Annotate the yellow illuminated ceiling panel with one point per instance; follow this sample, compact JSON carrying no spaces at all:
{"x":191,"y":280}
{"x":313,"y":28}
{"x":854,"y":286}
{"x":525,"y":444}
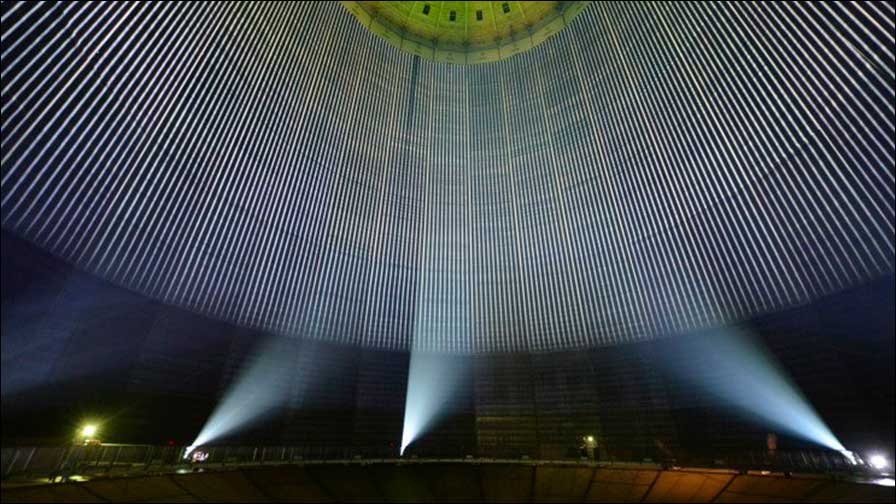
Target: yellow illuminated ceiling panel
{"x":464,"y":32}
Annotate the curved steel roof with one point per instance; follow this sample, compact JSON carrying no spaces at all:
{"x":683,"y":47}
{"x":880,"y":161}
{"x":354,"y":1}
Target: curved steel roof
{"x":653,"y":168}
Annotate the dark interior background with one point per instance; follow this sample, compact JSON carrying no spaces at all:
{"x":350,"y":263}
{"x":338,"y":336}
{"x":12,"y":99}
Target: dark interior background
{"x":75,"y":347}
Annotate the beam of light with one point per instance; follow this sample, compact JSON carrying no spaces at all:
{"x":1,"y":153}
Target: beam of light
{"x":433,"y":382}
{"x":730,"y":367}
{"x":254,"y":395}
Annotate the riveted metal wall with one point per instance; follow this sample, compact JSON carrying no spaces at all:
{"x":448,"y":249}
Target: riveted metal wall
{"x":652,"y":168}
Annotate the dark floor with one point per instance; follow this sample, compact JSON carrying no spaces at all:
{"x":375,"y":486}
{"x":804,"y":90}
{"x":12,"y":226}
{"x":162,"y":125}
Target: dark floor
{"x":458,"y":482}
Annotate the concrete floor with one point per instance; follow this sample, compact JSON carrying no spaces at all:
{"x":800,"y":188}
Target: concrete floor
{"x":455,"y":482}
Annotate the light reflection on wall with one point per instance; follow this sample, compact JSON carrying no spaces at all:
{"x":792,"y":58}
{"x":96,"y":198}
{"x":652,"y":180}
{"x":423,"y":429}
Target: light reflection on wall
{"x":277,"y":165}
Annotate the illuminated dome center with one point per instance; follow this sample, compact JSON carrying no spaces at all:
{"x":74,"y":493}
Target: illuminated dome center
{"x":465,"y":32}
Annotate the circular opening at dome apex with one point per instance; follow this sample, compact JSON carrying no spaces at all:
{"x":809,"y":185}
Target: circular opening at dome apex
{"x":465,"y":32}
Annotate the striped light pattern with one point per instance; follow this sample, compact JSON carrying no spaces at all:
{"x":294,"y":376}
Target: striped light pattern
{"x":653,"y":168}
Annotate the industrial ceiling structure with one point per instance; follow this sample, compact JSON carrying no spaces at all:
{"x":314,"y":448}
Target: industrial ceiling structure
{"x":650,"y":168}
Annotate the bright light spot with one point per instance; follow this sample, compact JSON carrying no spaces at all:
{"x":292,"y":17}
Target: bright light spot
{"x":878,"y":462}
{"x":887,"y":482}
{"x":88,"y":431}
{"x":590,"y":439}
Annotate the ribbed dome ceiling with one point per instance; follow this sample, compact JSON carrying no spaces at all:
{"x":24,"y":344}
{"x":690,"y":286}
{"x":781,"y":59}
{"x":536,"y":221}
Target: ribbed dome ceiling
{"x":652,"y":168}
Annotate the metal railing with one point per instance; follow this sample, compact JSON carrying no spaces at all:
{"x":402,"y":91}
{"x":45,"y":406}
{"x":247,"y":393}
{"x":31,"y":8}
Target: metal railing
{"x":61,"y":461}
{"x":125,"y":459}
{"x":58,"y":463}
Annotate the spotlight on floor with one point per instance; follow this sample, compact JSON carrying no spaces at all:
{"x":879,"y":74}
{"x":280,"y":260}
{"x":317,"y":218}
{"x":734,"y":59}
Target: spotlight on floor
{"x":732,"y":367}
{"x":433,"y":382}
{"x":88,"y":431}
{"x":87,"y":434}
{"x":878,"y":462}
{"x":254,"y":394}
